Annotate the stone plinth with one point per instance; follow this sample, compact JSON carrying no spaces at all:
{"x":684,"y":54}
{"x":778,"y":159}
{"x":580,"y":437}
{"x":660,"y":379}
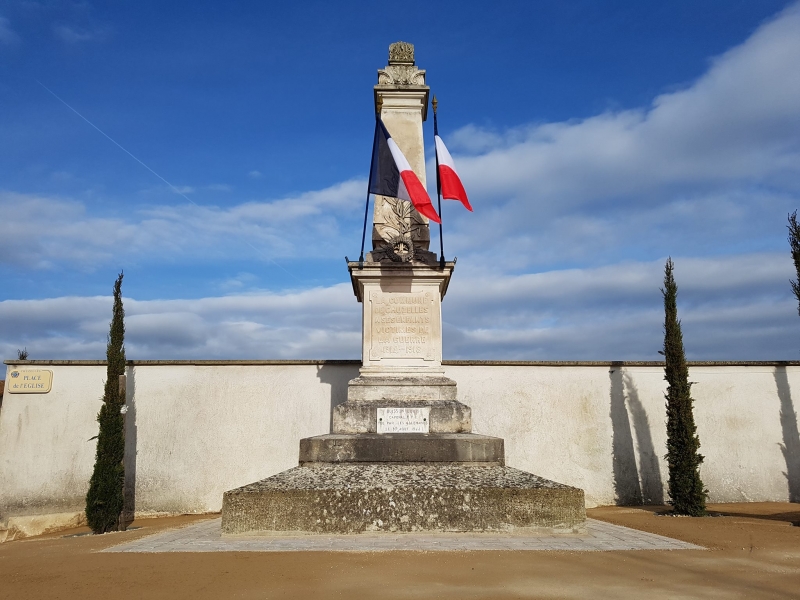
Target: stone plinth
{"x":402,"y":316}
{"x":360,"y":416}
{"x":357,"y":498}
{"x":403,"y":448}
{"x":401,"y":348}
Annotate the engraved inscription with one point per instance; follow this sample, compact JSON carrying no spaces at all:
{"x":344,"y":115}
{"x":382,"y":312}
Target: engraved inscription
{"x":404,"y":420}
{"x":401,"y":325}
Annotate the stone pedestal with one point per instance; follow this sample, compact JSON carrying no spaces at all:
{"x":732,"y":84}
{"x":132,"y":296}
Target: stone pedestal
{"x":401,"y":348}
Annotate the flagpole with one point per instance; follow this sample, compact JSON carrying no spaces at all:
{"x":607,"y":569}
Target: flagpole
{"x":378,"y":107}
{"x":435,"y":104}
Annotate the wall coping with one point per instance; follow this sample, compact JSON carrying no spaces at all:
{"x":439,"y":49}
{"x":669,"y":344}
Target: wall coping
{"x":453,"y":363}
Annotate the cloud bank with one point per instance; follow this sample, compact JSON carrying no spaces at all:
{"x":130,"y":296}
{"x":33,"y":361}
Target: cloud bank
{"x":734,"y":308}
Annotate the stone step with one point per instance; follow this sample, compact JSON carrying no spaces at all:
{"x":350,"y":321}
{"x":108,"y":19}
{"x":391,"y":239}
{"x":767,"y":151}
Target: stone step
{"x":358,"y":498}
{"x":403,"y":447}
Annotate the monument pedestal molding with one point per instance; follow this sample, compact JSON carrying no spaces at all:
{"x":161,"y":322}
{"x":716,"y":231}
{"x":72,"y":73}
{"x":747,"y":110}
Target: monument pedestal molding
{"x":401,"y":456}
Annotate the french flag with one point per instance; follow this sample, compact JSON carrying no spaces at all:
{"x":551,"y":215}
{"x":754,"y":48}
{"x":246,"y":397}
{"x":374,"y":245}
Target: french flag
{"x":449,"y":181}
{"x":391,"y":175}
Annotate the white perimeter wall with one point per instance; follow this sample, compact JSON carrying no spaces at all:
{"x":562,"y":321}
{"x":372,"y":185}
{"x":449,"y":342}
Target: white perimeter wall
{"x":196,"y":430}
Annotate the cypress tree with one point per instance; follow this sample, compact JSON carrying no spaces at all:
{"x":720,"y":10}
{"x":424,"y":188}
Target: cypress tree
{"x":104,"y":501}
{"x":686,"y":492}
{"x":794,"y":244}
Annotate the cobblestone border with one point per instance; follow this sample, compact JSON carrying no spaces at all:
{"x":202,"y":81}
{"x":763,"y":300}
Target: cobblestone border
{"x":206,"y":537}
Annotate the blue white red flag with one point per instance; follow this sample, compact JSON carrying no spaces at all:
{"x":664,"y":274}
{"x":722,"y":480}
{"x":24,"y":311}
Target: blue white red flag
{"x":392,"y":176}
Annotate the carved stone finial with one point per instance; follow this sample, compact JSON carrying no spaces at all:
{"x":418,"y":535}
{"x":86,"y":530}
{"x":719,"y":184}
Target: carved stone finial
{"x":401,"y":53}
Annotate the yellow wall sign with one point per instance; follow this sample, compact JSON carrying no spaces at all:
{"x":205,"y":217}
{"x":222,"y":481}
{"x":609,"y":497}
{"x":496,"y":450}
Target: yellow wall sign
{"x":29,"y":381}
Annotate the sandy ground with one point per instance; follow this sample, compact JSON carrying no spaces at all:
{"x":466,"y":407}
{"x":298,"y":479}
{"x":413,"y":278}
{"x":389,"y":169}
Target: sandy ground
{"x":754,"y":552}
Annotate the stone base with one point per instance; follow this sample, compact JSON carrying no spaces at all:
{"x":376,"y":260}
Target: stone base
{"x":401,"y":388}
{"x":403,"y":448}
{"x":359,"y":498}
{"x":356,"y":416}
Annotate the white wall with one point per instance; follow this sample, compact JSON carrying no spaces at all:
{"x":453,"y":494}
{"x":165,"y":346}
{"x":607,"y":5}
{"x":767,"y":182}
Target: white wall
{"x":603,"y":428}
{"x":46,"y":454}
{"x":196,"y":430}
{"x":202,"y":430}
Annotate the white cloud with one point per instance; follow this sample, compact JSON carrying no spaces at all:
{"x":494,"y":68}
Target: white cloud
{"x":734,"y":307}
{"x":297,"y":227}
{"x":254,"y":174}
{"x":738,"y":124}
{"x":68,"y":234}
{"x":709,"y":169}
{"x":320,"y":322}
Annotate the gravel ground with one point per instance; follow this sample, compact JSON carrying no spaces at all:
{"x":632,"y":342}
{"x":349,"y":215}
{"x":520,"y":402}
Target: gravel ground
{"x":753,"y":551}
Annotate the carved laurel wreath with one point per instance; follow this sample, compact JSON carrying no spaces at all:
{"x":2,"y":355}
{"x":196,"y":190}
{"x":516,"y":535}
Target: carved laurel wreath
{"x":401,"y":249}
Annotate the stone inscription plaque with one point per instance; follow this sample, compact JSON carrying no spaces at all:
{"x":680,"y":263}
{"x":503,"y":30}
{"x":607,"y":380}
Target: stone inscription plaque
{"x":404,"y":420}
{"x":401,"y":325}
{"x":29,"y":381}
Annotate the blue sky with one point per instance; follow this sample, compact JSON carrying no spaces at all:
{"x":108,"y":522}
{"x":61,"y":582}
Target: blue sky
{"x":595,"y":139}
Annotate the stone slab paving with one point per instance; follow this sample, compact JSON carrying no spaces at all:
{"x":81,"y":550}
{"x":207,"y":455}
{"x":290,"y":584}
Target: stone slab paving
{"x":206,"y":537}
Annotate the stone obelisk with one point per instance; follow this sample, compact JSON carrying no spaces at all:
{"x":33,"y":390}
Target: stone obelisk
{"x":401,"y":455}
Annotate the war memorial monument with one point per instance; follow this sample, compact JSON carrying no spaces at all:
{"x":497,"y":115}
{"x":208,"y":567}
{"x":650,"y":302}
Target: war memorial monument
{"x":401,"y":455}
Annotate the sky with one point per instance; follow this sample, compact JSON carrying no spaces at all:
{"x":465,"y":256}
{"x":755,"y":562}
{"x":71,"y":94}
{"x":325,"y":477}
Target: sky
{"x":218,"y":153}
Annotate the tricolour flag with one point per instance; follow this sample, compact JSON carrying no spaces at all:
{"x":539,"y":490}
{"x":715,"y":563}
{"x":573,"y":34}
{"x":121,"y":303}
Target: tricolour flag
{"x":392,"y":176}
{"x":450,"y":182}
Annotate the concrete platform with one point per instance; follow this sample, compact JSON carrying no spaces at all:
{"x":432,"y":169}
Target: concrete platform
{"x":404,"y":447}
{"x":359,"y":498}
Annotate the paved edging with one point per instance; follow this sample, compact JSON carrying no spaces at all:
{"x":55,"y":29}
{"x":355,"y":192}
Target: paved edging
{"x":206,"y":537}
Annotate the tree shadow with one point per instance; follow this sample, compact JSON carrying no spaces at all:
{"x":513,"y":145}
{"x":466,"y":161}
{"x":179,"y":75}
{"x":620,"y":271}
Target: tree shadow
{"x":626,"y":477}
{"x":791,"y":438}
{"x":649,"y":469}
{"x":337,"y":374}
{"x":129,"y":488}
{"x":792,"y":517}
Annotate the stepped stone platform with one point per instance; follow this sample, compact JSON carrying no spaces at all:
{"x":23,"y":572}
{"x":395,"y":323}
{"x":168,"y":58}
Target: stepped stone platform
{"x":361,"y":498}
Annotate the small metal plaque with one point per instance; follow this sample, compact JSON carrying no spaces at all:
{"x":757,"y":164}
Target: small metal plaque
{"x":29,"y":381}
{"x":404,"y":420}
